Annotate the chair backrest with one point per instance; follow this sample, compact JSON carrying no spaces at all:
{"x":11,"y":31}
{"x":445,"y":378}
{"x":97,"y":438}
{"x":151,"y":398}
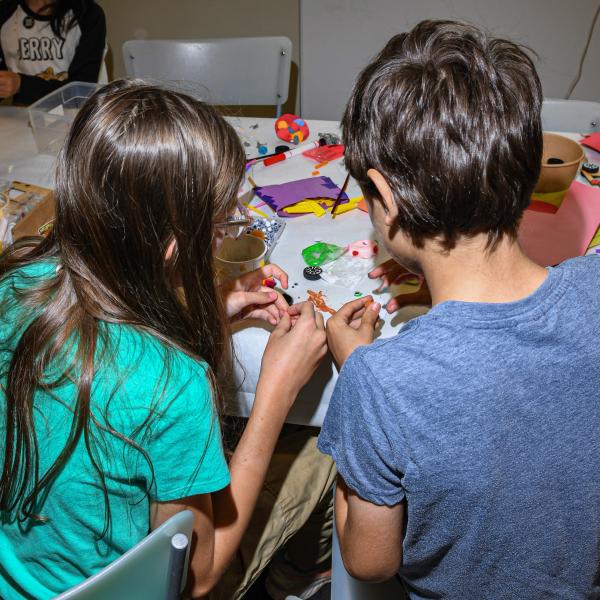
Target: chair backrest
{"x":249,"y":70}
{"x":154,"y":569}
{"x":576,"y":116}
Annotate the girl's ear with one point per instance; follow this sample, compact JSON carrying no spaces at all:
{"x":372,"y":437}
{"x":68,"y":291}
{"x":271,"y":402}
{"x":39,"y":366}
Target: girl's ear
{"x":385,"y":193}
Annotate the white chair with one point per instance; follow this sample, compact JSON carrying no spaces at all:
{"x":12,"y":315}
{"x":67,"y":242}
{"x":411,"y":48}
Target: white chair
{"x":154,"y":569}
{"x":577,"y":116}
{"x":235,"y":71}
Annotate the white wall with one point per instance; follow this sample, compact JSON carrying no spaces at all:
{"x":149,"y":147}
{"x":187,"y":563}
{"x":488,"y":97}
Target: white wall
{"x":339,"y":37}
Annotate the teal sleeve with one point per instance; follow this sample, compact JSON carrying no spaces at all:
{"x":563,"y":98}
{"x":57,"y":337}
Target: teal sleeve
{"x":184,"y":441}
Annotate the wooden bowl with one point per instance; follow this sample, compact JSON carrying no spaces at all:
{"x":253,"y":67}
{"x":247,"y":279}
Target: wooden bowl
{"x":558,"y":177}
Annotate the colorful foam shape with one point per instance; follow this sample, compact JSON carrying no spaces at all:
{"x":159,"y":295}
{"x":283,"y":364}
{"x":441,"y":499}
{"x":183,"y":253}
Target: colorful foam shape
{"x":291,"y":128}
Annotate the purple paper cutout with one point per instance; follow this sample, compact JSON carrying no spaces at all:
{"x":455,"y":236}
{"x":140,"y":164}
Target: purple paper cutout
{"x":279,"y":196}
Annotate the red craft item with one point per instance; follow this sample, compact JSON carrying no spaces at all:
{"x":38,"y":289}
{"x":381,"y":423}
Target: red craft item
{"x":592,"y":141}
{"x":325,"y":153}
{"x":318,"y":300}
{"x":291,"y":128}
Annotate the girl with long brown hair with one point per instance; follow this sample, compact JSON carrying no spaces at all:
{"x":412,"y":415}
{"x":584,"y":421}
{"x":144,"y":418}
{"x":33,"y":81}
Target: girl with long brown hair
{"x":114,"y":348}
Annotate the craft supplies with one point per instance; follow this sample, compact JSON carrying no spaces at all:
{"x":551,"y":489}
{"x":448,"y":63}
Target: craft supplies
{"x":363,"y":249}
{"x":339,"y":196}
{"x":348,"y":206}
{"x":592,"y":141}
{"x":312,"y":273}
{"x":269,"y":229}
{"x":331,"y":139}
{"x":24,"y":208}
{"x":256,"y":210}
{"x":291,"y":128}
{"x":317,"y":207}
{"x":591,"y":177}
{"x":290,"y":153}
{"x":347,"y":271}
{"x":325,"y":153}
{"x":280,"y":196}
{"x":318,"y":300}
{"x":321,"y":253}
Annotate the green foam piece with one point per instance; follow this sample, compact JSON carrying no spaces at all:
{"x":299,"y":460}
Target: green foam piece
{"x":321,"y":253}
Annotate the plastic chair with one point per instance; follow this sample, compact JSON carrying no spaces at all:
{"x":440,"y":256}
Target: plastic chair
{"x":154,"y":569}
{"x":576,"y":116}
{"x":249,"y":70}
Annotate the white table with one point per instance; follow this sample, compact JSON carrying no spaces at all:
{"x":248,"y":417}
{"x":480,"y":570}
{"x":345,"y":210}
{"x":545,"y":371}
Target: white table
{"x":300,"y":232}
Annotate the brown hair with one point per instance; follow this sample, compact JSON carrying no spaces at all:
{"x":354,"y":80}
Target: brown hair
{"x":451,"y":117}
{"x":141,"y":167}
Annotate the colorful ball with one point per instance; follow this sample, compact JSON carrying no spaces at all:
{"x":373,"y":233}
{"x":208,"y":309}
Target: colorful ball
{"x":291,"y":128}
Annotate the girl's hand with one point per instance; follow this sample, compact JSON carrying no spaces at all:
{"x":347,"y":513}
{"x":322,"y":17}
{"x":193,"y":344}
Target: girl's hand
{"x":352,"y":326}
{"x":247,"y":298}
{"x":293,"y":352}
{"x":393,"y":273}
{"x":9,"y":83}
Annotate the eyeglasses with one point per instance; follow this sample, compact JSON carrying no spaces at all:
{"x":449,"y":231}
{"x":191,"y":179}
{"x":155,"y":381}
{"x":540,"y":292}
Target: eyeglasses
{"x":237,"y":223}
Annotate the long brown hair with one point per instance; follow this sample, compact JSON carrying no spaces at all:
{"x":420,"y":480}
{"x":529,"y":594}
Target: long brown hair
{"x":141,"y":167}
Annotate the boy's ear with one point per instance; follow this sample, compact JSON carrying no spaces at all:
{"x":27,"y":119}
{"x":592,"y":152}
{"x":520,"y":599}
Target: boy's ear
{"x":385,"y":193}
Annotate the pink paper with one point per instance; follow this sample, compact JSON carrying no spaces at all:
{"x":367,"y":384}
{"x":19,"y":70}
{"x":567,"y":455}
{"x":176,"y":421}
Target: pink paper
{"x":549,"y":239}
{"x":592,"y":141}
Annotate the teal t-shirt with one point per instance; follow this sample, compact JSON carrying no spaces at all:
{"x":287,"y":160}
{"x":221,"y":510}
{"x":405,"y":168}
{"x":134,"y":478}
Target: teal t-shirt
{"x":167,"y":411}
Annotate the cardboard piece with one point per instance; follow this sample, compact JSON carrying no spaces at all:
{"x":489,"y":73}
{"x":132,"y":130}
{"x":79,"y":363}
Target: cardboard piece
{"x":39,"y":218}
{"x":549,"y":239}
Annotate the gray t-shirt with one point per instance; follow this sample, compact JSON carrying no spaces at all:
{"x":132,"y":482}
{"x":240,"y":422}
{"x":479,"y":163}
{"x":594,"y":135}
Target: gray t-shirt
{"x":485,"y":418}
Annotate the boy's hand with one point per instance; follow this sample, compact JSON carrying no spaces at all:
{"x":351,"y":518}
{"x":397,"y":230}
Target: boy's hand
{"x":247,"y":298}
{"x":393,"y":273}
{"x":352,"y":326}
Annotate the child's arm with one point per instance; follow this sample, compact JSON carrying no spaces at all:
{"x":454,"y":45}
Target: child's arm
{"x":370,"y":536}
{"x":220,"y":519}
{"x":370,"y":532}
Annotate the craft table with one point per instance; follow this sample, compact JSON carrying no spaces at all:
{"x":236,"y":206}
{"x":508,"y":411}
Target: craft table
{"x":300,"y":232}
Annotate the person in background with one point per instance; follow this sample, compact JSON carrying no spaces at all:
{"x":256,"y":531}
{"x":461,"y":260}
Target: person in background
{"x":115,"y":358}
{"x":467,"y":446}
{"x":45,"y":44}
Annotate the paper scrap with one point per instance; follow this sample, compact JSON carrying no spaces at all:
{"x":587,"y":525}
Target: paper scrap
{"x":279,"y":196}
{"x":592,"y":141}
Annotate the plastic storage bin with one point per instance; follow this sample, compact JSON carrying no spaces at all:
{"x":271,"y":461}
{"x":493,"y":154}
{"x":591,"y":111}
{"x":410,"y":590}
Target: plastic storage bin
{"x":52,"y":115}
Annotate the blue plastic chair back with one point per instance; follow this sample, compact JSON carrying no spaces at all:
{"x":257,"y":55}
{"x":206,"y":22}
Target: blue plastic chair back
{"x":154,"y":569}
